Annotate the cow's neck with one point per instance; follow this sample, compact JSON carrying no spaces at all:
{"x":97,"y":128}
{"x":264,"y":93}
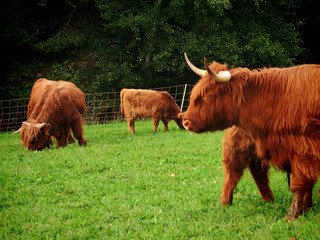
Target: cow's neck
{"x":260,"y":111}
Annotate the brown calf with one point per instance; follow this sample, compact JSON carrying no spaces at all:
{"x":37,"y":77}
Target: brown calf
{"x":239,"y":153}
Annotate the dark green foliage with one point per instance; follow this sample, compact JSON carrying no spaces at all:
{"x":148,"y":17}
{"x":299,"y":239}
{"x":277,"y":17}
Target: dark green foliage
{"x":107,"y":45}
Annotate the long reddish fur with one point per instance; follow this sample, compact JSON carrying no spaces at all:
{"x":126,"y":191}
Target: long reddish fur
{"x":149,"y":104}
{"x":279,"y":108}
{"x":59,"y":104}
{"x":239,"y":153}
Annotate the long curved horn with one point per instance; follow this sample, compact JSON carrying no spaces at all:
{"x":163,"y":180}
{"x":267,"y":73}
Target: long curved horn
{"x":19,"y":130}
{"x":196,"y":70}
{"x":38,"y":125}
{"x":223,"y":76}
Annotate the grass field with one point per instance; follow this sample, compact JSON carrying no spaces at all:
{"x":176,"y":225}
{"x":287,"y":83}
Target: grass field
{"x":143,"y":186}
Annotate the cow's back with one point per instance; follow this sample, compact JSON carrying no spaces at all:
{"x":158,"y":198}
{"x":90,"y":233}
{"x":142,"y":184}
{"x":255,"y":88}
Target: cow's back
{"x":56,"y":101}
{"x":66,"y":99}
{"x":39,"y":93}
{"x":143,"y":103}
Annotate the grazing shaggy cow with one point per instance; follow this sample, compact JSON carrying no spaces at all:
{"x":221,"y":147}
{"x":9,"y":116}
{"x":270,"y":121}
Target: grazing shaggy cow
{"x":149,"y":103}
{"x":38,"y":90}
{"x":278,"y":107}
{"x":54,"y":109}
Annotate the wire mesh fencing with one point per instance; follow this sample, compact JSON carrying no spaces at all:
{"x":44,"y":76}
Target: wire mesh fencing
{"x":12,"y":113}
{"x":101,"y":107}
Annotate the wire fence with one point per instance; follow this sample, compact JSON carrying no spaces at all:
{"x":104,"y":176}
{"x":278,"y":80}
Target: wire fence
{"x":101,"y":107}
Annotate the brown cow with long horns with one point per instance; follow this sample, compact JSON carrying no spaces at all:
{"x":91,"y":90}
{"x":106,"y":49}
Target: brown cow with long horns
{"x":279,"y":108}
{"x":54,"y":109}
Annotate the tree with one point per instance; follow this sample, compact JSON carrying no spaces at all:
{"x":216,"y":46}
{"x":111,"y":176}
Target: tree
{"x":106,"y":45}
{"x":148,"y":38}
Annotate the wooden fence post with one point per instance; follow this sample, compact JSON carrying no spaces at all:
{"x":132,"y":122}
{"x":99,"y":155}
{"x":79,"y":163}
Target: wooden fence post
{"x":184,"y":93}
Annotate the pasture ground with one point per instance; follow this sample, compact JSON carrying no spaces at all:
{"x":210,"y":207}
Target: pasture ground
{"x":143,"y":186}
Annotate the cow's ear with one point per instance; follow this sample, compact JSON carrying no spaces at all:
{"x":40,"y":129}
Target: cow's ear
{"x":180,"y":116}
{"x":47,"y":129}
{"x":240,"y":74}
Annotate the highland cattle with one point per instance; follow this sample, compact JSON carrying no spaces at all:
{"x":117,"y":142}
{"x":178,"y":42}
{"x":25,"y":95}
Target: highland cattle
{"x":149,"y":104}
{"x":279,"y":108}
{"x":55,"y":109}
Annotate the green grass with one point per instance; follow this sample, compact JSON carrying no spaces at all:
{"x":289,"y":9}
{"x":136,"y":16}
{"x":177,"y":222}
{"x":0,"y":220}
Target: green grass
{"x":143,"y":186}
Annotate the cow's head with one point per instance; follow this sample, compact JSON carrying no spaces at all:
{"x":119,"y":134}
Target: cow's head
{"x":35,"y":136}
{"x":178,"y":119}
{"x":214,"y":101}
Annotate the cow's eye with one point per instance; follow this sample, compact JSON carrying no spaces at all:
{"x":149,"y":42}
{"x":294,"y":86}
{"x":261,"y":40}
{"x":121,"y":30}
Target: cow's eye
{"x":208,"y":97}
{"x":197,"y":100}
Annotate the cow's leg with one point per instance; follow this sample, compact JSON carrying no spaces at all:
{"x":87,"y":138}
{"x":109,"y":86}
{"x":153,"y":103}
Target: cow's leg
{"x":233,"y":171}
{"x":261,"y":178}
{"x":302,"y":200}
{"x":130,"y":122}
{"x":62,"y":138}
{"x":155,"y":124}
{"x":77,"y":130}
{"x":302,"y":182}
{"x":70,"y":138}
{"x":165,"y":124}
{"x":62,"y":142}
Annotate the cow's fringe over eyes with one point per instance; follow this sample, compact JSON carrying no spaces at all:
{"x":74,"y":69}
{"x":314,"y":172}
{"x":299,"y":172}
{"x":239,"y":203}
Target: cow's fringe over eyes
{"x":30,"y":133}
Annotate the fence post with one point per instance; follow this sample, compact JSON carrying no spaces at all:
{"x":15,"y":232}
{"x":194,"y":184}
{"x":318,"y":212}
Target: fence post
{"x":184,"y":93}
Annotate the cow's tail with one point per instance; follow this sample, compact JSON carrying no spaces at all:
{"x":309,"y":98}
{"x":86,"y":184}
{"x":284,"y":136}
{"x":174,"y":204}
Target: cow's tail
{"x":121,"y":103}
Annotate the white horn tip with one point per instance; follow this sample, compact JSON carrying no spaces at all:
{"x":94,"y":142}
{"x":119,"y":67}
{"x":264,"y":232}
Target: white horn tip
{"x":224,"y":76}
{"x":19,"y":130}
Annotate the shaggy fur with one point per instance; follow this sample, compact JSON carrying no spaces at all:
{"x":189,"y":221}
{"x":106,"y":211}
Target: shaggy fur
{"x":239,"y":153}
{"x":279,"y":108}
{"x":61,"y":106}
{"x":42,"y":89}
{"x":146,"y":104}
